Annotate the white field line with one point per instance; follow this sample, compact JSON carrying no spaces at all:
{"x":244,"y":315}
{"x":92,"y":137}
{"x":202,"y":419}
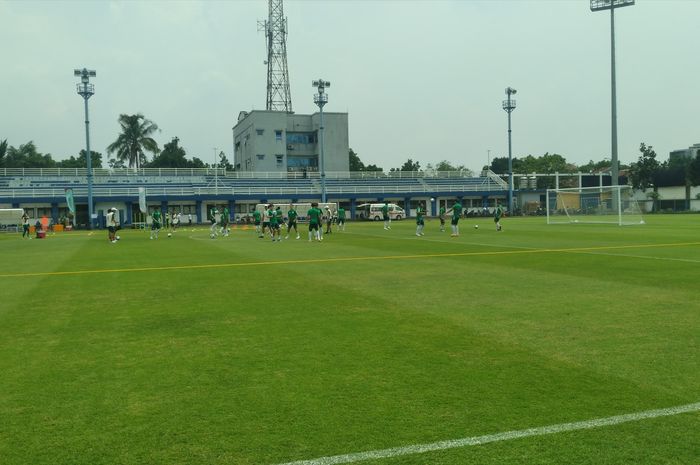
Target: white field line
{"x":508,"y":435}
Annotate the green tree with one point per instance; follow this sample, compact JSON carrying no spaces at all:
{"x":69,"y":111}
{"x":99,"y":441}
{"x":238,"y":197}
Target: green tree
{"x":373,"y":167}
{"x":81,"y":161}
{"x":410,"y":165}
{"x":3,"y":152}
{"x":689,"y":171}
{"x":643,"y":171}
{"x":134,"y":140}
{"x":172,"y":156}
{"x":224,"y":163}
{"x":197,"y":163}
{"x":499,"y":165}
{"x":27,"y":156}
{"x":445,"y":165}
{"x":694,"y":170}
{"x":114,"y":164}
{"x":355,"y":162}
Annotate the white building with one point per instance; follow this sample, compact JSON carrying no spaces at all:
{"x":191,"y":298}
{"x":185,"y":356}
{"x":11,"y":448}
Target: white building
{"x":277,"y":141}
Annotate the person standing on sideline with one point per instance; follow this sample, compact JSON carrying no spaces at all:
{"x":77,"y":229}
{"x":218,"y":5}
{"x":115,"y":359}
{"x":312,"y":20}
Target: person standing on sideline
{"x":112,"y":225}
{"x":256,"y":222}
{"x":292,"y":221}
{"x":212,"y":218}
{"x":442,"y":218}
{"x":25,"y":225}
{"x":189,"y":219}
{"x":341,"y":219}
{"x":497,"y":215}
{"x":155,"y":223}
{"x":314,"y":215}
{"x":385,"y":215}
{"x":420,"y":222}
{"x":274,"y":225}
{"x":329,"y":220}
{"x":456,"y":214}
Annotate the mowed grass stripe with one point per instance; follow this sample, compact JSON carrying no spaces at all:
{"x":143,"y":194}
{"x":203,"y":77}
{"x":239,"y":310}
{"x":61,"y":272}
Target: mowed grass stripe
{"x":506,"y":436}
{"x":348,"y":259}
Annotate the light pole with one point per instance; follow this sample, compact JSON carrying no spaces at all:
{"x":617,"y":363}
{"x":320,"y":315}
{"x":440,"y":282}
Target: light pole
{"x":216,"y":172}
{"x":509,"y":106}
{"x":86,"y":90}
{"x":600,"y":5}
{"x":321,"y":99}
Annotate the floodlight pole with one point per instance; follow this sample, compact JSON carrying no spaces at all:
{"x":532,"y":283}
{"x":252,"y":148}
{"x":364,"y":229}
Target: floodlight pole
{"x":87,"y":90}
{"x":216,"y":172}
{"x":321,"y":99}
{"x":599,"y":5}
{"x":509,"y":106}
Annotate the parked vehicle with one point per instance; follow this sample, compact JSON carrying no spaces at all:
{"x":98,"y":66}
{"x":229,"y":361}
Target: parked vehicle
{"x":373,"y":211}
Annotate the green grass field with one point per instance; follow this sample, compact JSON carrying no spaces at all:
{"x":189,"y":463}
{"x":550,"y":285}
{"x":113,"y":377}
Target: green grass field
{"x":239,"y":351}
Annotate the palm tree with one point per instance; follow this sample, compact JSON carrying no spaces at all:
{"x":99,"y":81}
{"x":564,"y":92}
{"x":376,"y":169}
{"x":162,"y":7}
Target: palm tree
{"x":134,"y":140}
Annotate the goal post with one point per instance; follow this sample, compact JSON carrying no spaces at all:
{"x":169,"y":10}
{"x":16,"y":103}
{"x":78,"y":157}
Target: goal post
{"x":602,"y":204}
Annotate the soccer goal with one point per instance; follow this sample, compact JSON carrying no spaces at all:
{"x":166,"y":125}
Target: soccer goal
{"x":604,"y":204}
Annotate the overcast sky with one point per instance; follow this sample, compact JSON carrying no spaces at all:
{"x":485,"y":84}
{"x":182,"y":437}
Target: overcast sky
{"x":420,"y":79}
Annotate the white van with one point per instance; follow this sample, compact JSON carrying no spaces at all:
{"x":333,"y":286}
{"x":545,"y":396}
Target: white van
{"x":373,"y":211}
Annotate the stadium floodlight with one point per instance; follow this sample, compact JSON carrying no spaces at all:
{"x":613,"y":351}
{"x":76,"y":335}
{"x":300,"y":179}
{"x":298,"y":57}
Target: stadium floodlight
{"x":598,"y":5}
{"x":509,"y":106}
{"x":321,"y":99}
{"x":87,"y":90}
{"x":612,"y":5}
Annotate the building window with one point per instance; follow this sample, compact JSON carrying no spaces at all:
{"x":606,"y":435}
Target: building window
{"x":280,"y":159}
{"x":260,"y":131}
{"x":278,"y":135}
{"x":261,"y":156}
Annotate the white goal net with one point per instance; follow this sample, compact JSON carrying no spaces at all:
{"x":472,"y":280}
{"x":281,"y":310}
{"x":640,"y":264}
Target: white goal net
{"x":604,"y":204}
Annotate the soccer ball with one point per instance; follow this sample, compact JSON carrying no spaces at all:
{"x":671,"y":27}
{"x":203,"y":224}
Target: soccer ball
{"x":432,"y":199}
{"x":476,"y":226}
{"x":117,"y":237}
{"x":170,"y":234}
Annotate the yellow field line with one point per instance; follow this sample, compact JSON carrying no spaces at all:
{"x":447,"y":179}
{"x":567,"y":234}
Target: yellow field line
{"x":345,"y":259}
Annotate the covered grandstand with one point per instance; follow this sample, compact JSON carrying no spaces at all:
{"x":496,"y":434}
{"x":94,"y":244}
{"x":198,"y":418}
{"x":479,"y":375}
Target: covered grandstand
{"x":42,"y":191}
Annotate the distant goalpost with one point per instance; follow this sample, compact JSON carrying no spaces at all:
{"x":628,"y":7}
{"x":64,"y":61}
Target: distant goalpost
{"x":602,"y":204}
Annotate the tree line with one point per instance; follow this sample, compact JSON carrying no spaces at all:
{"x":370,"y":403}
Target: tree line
{"x":130,"y":149}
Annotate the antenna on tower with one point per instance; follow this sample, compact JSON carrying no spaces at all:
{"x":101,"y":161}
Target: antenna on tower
{"x":275,"y":28}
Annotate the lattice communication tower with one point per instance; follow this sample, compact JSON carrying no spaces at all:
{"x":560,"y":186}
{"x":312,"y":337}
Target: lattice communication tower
{"x":275,"y":28}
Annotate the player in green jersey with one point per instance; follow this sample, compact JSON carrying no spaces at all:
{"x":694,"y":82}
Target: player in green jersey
{"x":292,"y":221}
{"x":314,"y":215}
{"x":385,"y":215}
{"x":420,"y":222}
{"x":341,"y":219}
{"x":497,"y":215}
{"x":442,"y":219}
{"x":256,"y":222}
{"x":280,"y":218}
{"x":225,"y":218}
{"x":274,"y":225}
{"x":155,"y":223}
{"x":456,"y":214}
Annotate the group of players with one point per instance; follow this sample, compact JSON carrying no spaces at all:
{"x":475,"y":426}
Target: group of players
{"x":271,"y":220}
{"x":456,"y":211}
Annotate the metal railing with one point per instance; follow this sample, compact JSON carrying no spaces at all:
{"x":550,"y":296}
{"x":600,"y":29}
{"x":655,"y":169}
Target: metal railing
{"x":81,"y":191}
